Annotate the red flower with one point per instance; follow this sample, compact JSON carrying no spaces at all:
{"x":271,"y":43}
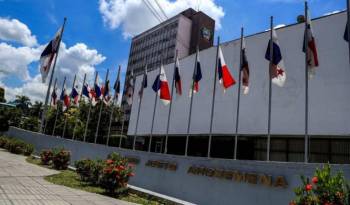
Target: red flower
{"x":131,"y":174}
{"x":308,"y":187}
{"x":121,"y":167}
{"x":314,"y":180}
{"x":292,"y":203}
{"x":109,"y":161}
{"x":107,"y":170}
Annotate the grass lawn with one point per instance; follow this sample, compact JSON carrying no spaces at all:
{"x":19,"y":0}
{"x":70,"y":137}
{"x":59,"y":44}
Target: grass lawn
{"x":71,"y":179}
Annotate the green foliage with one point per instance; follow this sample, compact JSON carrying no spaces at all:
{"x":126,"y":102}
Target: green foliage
{"x":89,"y":170}
{"x":31,"y":123}
{"x":61,"y":158}
{"x":46,"y":157}
{"x":16,"y":146}
{"x":324,"y":188}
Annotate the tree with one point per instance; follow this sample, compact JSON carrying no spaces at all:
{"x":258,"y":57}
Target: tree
{"x":36,"y":109}
{"x":23,"y":102}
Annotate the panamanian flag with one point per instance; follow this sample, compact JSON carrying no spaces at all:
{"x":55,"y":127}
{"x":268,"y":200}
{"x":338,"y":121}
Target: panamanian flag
{"x":143,"y":83}
{"x":245,"y":69}
{"x":48,"y":55}
{"x":197,"y":76}
{"x":96,"y":93}
{"x":177,"y":78}
{"x":311,"y":48}
{"x":105,"y":93}
{"x":161,"y":87}
{"x":87,"y":91}
{"x":116,"y":86}
{"x":225,"y":77}
{"x":75,"y":95}
{"x":277,"y":72}
{"x":65,"y":98}
{"x":54,"y":98}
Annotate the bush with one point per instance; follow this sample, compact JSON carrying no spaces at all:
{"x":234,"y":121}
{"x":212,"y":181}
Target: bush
{"x":16,"y":146}
{"x":46,"y":157}
{"x":61,"y":158}
{"x":3,"y":142}
{"x":28,"y":149}
{"x":116,"y":173}
{"x":89,"y":170}
{"x":324,"y":188}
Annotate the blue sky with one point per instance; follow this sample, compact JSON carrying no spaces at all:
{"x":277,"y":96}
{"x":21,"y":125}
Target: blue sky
{"x":104,"y":29}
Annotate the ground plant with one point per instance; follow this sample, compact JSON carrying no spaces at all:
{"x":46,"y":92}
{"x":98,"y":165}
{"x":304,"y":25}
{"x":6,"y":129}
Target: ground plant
{"x":60,"y":158}
{"x":16,"y":146}
{"x":46,"y":157}
{"x":323,"y":189}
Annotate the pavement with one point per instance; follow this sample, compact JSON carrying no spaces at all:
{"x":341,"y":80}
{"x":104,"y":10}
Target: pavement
{"x":22,"y":183}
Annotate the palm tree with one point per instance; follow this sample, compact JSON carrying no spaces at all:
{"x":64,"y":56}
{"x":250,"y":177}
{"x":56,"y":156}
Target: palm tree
{"x":23,"y":102}
{"x":36,"y":109}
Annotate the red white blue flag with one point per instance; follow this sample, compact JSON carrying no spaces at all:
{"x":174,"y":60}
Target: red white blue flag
{"x":75,"y":95}
{"x":48,"y":55}
{"x":54,"y":98}
{"x":311,"y":48}
{"x":116,"y":86}
{"x":277,"y":71}
{"x":105,"y":93}
{"x":65,"y":98}
{"x":161,"y":87}
{"x":144,"y":83}
{"x":87,"y":91}
{"x":225,"y":77}
{"x":96,"y":93}
{"x":177,"y":78}
{"x":197,"y":76}
{"x":245,"y":69}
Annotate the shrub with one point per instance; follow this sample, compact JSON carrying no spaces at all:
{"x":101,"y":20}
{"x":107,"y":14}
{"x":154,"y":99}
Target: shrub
{"x":3,"y":142}
{"x":89,"y":170}
{"x":61,"y":158}
{"x":324,"y":188}
{"x":15,"y":146}
{"x":28,"y":149}
{"x":46,"y":157}
{"x":115,"y":174}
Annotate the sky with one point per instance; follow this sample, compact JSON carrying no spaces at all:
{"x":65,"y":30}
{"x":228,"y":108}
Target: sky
{"x":98,"y":33}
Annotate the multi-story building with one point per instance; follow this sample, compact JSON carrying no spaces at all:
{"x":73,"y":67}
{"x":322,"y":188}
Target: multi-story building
{"x":183,"y":32}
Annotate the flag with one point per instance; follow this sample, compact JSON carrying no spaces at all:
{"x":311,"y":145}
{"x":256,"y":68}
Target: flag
{"x":48,"y":55}
{"x":116,"y":86}
{"x":75,"y":95}
{"x":277,"y":72}
{"x":129,"y":88}
{"x":346,"y":38}
{"x":245,"y":70}
{"x":96,"y":93}
{"x":65,"y":98}
{"x":87,"y":91}
{"x":54,"y":98}
{"x":197,"y":76}
{"x":161,"y":87}
{"x":105,"y":93}
{"x":311,"y":48}
{"x":177,"y":78}
{"x":144,"y":83}
{"x":225,"y":77}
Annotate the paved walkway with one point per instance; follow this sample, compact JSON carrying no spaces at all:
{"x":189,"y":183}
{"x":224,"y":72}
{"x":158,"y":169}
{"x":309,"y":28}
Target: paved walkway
{"x":22,"y":183}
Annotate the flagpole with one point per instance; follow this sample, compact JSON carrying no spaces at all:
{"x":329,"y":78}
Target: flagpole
{"x":101,"y":106}
{"x":191,"y":103}
{"x":306,"y":87}
{"x":112,"y":107}
{"x":66,"y":117}
{"x":89,"y":113}
{"x":54,"y":125}
{"x":270,"y":90}
{"x":239,"y":93}
{"x":54,"y":87}
{"x":154,"y":108}
{"x":213,"y":99}
{"x":170,"y":106}
{"x":80,"y":96}
{"x":122,"y":129}
{"x":43,"y":116}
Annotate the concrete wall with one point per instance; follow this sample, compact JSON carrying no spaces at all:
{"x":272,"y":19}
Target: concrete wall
{"x":328,"y":90}
{"x":197,"y":189}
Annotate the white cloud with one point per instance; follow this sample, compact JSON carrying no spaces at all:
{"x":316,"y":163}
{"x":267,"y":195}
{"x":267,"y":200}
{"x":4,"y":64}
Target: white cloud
{"x":134,"y":17}
{"x":14,"y":30}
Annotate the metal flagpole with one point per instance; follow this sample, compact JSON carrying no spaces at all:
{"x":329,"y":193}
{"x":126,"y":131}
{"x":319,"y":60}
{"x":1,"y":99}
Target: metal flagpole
{"x":154,"y":109}
{"x":43,"y":116}
{"x":191,"y":102}
{"x":138,"y":110}
{"x":170,"y":106}
{"x":65,"y":120}
{"x":239,"y":93}
{"x":54,"y":125}
{"x":306,"y":87}
{"x":99,"y":115}
{"x":122,"y":129}
{"x":54,"y":87}
{"x":213,"y":99}
{"x":115,"y":97}
{"x":270,"y":90}
{"x":80,"y":97}
{"x":89,"y":113}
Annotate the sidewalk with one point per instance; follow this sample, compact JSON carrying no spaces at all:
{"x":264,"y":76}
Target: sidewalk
{"x":22,"y":183}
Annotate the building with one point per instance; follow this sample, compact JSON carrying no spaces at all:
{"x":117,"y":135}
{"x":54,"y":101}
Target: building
{"x":328,"y":102}
{"x":181,"y":33}
{"x":2,"y":95}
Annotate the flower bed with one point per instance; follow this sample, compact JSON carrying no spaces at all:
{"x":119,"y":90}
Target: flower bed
{"x":16,"y":146}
